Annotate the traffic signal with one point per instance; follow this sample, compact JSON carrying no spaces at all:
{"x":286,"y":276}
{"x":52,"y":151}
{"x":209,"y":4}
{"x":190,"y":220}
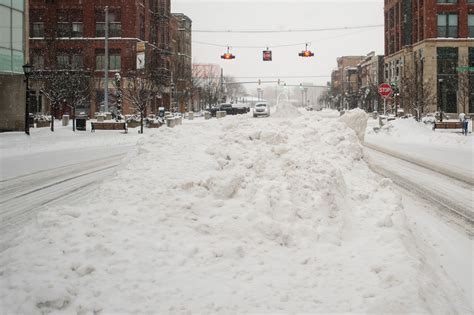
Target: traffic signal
{"x":267,"y":55}
{"x":306,"y":53}
{"x":227,"y":55}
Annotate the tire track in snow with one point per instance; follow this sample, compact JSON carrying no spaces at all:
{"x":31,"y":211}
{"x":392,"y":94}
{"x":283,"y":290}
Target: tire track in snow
{"x":442,"y":191}
{"x":27,"y":195}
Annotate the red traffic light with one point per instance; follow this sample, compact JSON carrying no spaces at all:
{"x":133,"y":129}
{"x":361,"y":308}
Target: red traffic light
{"x":267,"y":55}
{"x":306,"y":53}
{"x":228,"y":56}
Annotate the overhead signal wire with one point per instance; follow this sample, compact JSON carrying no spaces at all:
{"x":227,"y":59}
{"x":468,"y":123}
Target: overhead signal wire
{"x":288,"y":30}
{"x":274,"y":46}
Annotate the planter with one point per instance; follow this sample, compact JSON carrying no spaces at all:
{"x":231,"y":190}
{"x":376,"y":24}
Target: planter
{"x":133,"y":124}
{"x":43,"y":123}
{"x":156,"y":125}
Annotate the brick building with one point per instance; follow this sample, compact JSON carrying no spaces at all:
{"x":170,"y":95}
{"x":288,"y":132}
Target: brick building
{"x":344,"y":82}
{"x":370,"y":73}
{"x":71,"y":33}
{"x":429,"y":49}
{"x":181,"y":62}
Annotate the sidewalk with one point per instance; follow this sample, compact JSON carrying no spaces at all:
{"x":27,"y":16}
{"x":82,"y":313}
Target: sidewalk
{"x":449,"y":153}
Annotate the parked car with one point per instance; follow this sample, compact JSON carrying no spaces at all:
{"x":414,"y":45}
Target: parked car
{"x":261,"y":109}
{"x":229,"y":109}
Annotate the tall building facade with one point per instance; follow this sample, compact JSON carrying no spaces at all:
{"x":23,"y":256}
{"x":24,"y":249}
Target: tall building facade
{"x":344,"y":82}
{"x":181,"y":68}
{"x":13,"y":44}
{"x":370,"y":77}
{"x":68,"y":34}
{"x":429,"y":53}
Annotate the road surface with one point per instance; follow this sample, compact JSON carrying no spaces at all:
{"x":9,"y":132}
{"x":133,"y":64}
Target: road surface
{"x":23,"y":196}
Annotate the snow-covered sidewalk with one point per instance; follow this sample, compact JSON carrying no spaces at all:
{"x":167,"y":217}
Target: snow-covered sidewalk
{"x":446,"y":150}
{"x":233,"y":215}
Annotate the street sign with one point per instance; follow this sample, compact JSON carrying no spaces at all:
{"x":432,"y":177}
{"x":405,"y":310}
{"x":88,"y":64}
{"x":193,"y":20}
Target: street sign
{"x":267,"y":55}
{"x":140,"y":55}
{"x":385,"y":90}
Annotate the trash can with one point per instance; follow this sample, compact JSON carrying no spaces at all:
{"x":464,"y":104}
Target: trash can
{"x":81,"y":123}
{"x":65,"y":120}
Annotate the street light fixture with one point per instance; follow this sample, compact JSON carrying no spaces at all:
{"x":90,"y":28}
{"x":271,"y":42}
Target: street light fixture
{"x":442,"y":99}
{"x":27,"y":68}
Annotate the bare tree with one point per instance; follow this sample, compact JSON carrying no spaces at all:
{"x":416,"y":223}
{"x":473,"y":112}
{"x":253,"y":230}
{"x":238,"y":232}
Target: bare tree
{"x":206,"y":77}
{"x":79,"y":92}
{"x":464,"y":86}
{"x":324,"y":99}
{"x":234,"y":88}
{"x":139,"y":90}
{"x":54,"y":87}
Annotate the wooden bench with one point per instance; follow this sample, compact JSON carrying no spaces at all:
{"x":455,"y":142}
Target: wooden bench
{"x":108,"y":126}
{"x":448,"y":125}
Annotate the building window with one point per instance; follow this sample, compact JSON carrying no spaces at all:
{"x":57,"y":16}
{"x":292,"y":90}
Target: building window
{"x":470,"y":24}
{"x":447,"y":59}
{"x":447,"y":25}
{"x":115,"y":25}
{"x":77,"y":61}
{"x":37,"y":60}
{"x":62,"y":60}
{"x":447,"y":1}
{"x":64,"y":29}
{"x":77,"y":29}
{"x":115,"y":60}
{"x":37,"y":29}
{"x":70,"y":23}
{"x":70,"y":61}
{"x":100,"y":61}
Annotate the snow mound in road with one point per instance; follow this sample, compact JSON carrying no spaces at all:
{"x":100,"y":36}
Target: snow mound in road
{"x":356,"y":119}
{"x":286,"y":110}
{"x":230,"y":216}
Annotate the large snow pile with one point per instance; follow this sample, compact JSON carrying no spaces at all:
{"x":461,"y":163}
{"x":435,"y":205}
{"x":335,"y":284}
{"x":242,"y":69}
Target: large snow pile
{"x":356,"y":119}
{"x":286,"y":110}
{"x":234,"y":215}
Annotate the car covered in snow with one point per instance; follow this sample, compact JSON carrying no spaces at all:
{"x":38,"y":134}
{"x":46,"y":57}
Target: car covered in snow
{"x":261,"y":109}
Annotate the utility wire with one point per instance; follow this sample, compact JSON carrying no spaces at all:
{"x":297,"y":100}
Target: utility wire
{"x":289,"y":30}
{"x":276,"y":46}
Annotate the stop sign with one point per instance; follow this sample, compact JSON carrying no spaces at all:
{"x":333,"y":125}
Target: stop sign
{"x":385,"y":90}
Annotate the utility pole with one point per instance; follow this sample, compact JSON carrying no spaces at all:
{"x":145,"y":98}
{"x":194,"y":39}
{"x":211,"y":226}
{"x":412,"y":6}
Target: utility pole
{"x":106,"y":66}
{"x":221,"y":86}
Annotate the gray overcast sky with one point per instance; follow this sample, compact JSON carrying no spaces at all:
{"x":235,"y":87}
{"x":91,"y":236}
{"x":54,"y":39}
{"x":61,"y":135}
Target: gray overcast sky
{"x":275,"y":15}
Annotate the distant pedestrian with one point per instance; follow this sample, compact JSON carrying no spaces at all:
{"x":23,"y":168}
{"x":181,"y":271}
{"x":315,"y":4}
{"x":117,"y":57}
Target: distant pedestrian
{"x":465,"y":125}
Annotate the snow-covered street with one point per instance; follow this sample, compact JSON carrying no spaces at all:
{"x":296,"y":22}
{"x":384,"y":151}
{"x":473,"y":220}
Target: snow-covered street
{"x":239,"y":215}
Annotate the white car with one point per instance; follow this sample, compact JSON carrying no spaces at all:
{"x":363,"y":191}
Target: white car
{"x":261,"y":109}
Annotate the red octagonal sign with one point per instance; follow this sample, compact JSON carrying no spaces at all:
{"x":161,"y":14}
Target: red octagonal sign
{"x":385,"y":90}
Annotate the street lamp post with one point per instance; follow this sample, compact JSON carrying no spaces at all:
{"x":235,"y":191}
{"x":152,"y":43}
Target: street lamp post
{"x":27,"y":68}
{"x":441,"y":96}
